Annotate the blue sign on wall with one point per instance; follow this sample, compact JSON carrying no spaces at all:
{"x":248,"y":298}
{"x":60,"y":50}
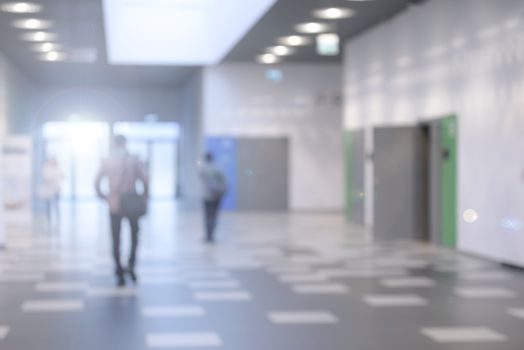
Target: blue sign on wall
{"x":224,"y":150}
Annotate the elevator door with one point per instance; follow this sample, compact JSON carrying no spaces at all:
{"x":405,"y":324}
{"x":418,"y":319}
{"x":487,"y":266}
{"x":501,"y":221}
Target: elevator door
{"x":262,"y":174}
{"x":401,"y":183}
{"x":355,"y":195}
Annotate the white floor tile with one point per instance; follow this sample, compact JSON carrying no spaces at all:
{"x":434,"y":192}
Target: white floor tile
{"x":101,"y":292}
{"x":4,"y":330}
{"x":217,"y":284}
{"x":161,"y":280}
{"x":463,"y":335}
{"x":303,"y":278}
{"x":223,"y":296}
{"x":302,"y":317}
{"x":328,"y":288}
{"x":8,"y":278}
{"x":156,"y":271}
{"x":53,"y":305}
{"x":517,"y":312}
{"x":408,"y":282}
{"x":183,"y":340}
{"x":401,"y":263}
{"x":173,"y":311}
{"x":485,"y":293}
{"x":61,"y":287}
{"x":240,"y":265}
{"x":102,"y":272}
{"x":313,"y":259}
{"x":205,"y":275}
{"x":395,"y":300}
{"x":361,"y":273}
{"x":290,"y":270}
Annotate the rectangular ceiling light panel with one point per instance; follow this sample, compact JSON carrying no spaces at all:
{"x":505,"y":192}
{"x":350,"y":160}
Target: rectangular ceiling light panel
{"x":177,"y":32}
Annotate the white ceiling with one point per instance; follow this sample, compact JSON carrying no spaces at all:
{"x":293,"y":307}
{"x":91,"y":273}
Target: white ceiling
{"x":177,"y":32}
{"x":80,"y":24}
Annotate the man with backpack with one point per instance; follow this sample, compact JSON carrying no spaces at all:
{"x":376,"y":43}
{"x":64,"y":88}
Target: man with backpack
{"x":214,"y":188}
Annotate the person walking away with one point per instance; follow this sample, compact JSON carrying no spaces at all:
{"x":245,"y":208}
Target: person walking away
{"x":214,"y":187}
{"x":49,"y":189}
{"x":123,"y":172}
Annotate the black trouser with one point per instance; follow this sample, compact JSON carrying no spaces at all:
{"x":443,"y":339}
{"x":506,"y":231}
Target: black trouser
{"x":116,"y":225}
{"x":52,"y":204}
{"x":211,"y":208}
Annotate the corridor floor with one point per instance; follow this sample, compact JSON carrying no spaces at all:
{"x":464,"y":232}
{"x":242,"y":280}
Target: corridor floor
{"x":304,"y":282}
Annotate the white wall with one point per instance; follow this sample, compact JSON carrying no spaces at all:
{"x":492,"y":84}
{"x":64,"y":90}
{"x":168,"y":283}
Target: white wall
{"x":3,"y":94}
{"x":454,"y":56}
{"x":304,"y":106}
{"x":3,"y":120}
{"x":191,"y":139}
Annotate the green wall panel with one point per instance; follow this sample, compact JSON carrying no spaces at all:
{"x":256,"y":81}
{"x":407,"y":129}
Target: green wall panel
{"x":449,"y":180}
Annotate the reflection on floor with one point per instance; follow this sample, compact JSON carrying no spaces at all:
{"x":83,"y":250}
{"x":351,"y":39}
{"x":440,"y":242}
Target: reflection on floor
{"x":272,"y":282}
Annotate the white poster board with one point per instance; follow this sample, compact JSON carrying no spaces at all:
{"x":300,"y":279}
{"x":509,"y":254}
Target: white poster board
{"x":2,"y":221}
{"x":17,"y":180}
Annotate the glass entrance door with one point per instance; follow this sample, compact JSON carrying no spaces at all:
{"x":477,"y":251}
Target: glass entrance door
{"x":78,"y":148}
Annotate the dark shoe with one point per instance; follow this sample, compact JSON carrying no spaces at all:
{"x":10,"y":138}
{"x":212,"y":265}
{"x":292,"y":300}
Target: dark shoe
{"x":133,"y":276}
{"x":121,"y":282}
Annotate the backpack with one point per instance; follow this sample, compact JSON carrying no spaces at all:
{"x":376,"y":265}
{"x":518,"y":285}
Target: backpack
{"x":216,"y":185}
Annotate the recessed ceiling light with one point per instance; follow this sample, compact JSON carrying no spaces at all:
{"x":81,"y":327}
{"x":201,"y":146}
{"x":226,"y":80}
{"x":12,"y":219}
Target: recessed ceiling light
{"x":313,"y":27}
{"x":280,"y":50}
{"x":268,"y":58}
{"x":21,"y":7}
{"x":38,"y":36}
{"x":295,"y":40}
{"x":32,"y":23}
{"x":334,"y":13}
{"x":53,"y":56}
{"x":46,"y":47}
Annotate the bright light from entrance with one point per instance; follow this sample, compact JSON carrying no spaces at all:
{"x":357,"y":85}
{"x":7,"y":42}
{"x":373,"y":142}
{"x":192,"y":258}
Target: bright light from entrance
{"x":160,"y":130}
{"x":79,"y":147}
{"x":80,"y":136}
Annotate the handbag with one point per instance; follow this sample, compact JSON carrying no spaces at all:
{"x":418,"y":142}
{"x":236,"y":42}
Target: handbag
{"x":132,"y":204}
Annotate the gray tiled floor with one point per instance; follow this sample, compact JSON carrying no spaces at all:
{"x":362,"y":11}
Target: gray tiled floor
{"x":303,"y":282}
